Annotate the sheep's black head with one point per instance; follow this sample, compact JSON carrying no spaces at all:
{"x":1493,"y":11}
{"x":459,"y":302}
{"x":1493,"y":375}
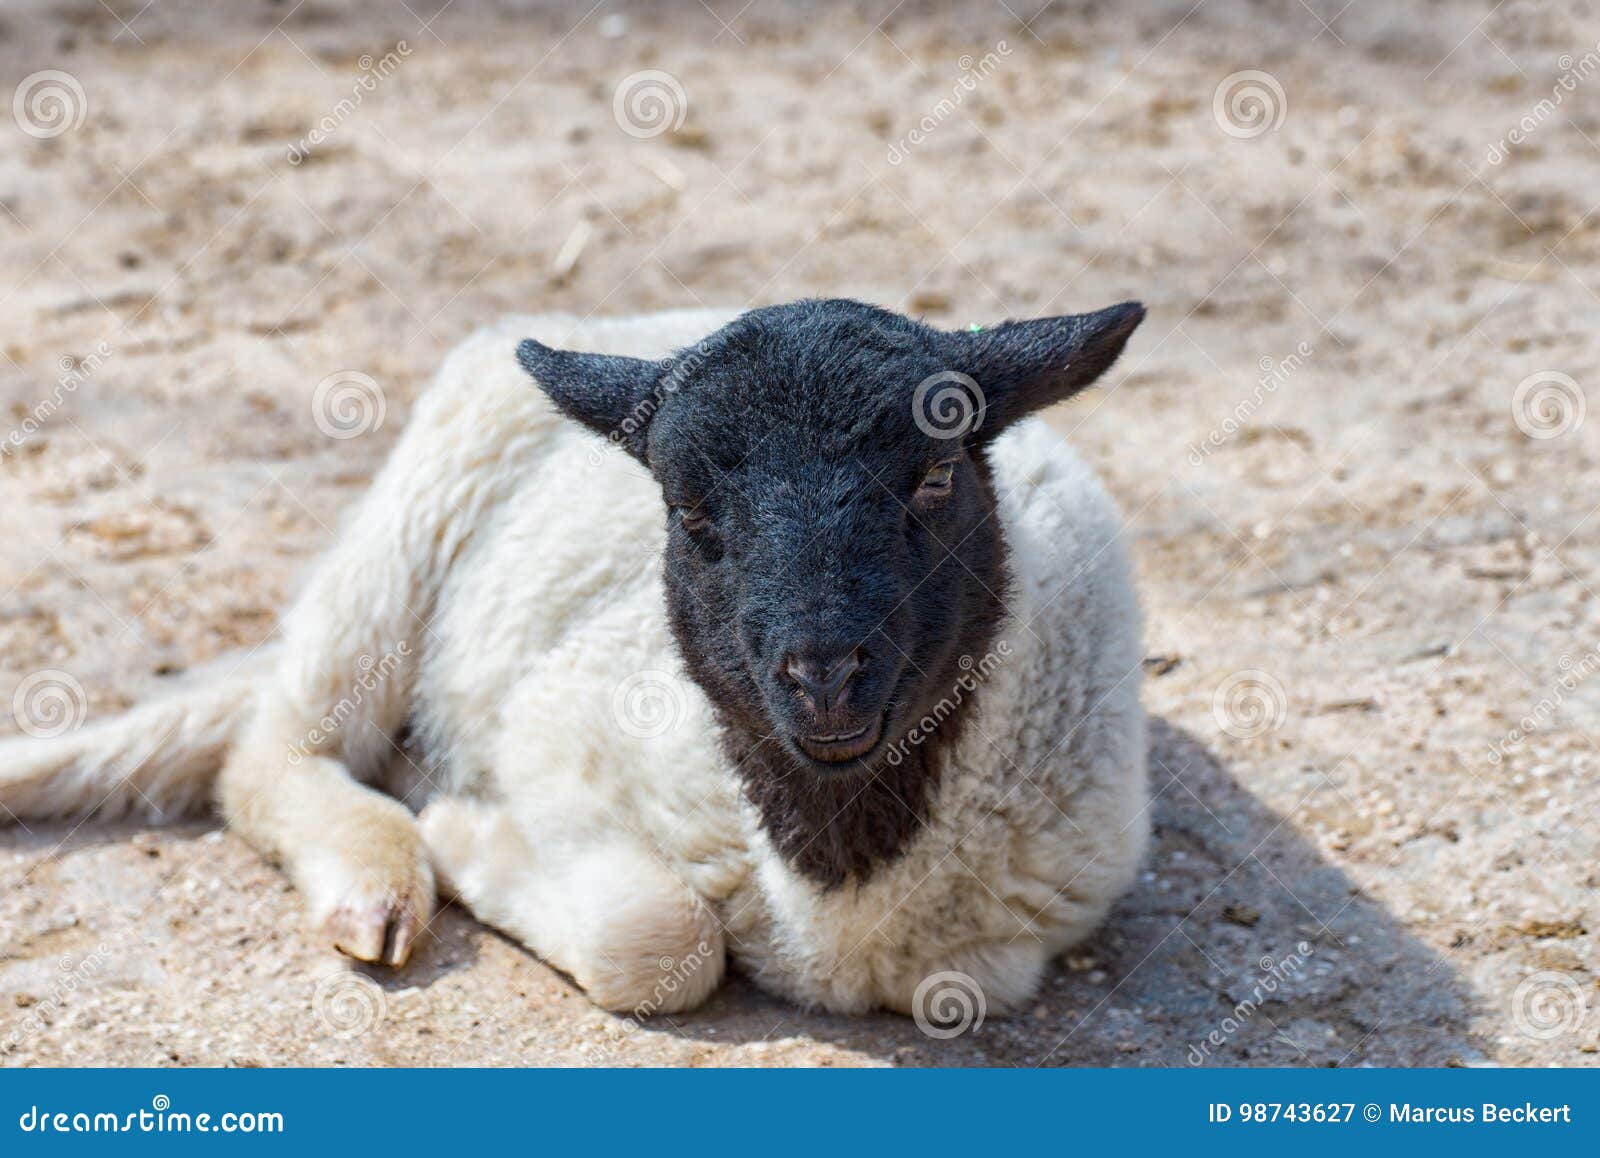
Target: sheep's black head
{"x":832,"y":552}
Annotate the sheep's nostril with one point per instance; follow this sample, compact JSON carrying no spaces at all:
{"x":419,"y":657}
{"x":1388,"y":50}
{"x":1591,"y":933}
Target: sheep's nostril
{"x":823,"y":680}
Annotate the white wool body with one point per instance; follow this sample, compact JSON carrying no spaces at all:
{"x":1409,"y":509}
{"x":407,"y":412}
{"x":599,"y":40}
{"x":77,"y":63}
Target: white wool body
{"x":581,"y":799}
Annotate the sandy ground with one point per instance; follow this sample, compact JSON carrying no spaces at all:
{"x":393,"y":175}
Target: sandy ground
{"x":1358,"y":579}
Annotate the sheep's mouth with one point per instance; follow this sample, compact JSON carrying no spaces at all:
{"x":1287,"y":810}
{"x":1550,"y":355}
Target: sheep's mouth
{"x":837,"y":747}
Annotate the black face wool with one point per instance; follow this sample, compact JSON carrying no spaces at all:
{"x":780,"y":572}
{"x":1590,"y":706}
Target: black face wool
{"x":829,"y":503}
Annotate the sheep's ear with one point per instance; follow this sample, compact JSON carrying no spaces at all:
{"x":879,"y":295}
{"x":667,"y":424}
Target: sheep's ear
{"x":1021,"y":367}
{"x":613,"y":396}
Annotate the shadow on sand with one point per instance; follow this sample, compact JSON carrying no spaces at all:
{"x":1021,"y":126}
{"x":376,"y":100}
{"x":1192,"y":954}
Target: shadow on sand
{"x":1240,"y":945}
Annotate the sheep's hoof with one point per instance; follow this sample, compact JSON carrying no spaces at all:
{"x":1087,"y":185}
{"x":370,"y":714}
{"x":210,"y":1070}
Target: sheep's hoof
{"x":378,"y":916}
{"x":379,"y":933}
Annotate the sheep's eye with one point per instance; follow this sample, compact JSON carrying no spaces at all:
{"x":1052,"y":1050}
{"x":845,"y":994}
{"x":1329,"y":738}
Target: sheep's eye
{"x":693,"y":518}
{"x":937,"y":483}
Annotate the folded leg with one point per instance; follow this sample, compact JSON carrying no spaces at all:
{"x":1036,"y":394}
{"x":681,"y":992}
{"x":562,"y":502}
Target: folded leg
{"x":599,"y":906}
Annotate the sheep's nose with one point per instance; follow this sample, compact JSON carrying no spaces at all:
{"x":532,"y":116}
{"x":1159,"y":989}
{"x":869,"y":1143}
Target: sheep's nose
{"x":823,"y":678}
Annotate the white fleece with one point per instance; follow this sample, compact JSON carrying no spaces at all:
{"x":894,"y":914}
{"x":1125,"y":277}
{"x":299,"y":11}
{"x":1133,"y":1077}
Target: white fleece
{"x":508,"y":563}
{"x":551,"y":636}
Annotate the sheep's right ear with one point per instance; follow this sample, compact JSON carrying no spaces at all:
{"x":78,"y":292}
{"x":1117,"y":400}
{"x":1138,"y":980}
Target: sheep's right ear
{"x":611,"y":395}
{"x":1021,"y":367}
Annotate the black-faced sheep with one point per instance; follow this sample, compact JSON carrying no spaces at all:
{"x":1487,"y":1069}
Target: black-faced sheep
{"x":858,"y":707}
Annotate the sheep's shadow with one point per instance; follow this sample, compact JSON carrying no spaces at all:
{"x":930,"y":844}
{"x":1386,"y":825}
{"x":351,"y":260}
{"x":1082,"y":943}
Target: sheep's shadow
{"x":1240,"y":945}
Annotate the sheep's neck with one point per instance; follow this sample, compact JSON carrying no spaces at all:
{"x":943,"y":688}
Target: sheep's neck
{"x":842,"y":828}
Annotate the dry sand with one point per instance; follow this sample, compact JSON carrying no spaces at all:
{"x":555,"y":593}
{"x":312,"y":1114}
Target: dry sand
{"x":1400,"y":568}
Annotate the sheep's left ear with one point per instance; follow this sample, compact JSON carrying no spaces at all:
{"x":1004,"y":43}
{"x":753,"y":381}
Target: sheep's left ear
{"x":613,"y":396}
{"x":1021,"y":367}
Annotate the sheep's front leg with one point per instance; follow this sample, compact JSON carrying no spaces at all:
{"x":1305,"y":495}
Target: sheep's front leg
{"x":598,"y":907}
{"x":354,"y":853}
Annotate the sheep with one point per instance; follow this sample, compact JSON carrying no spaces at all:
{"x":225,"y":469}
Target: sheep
{"x":857,"y":706}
